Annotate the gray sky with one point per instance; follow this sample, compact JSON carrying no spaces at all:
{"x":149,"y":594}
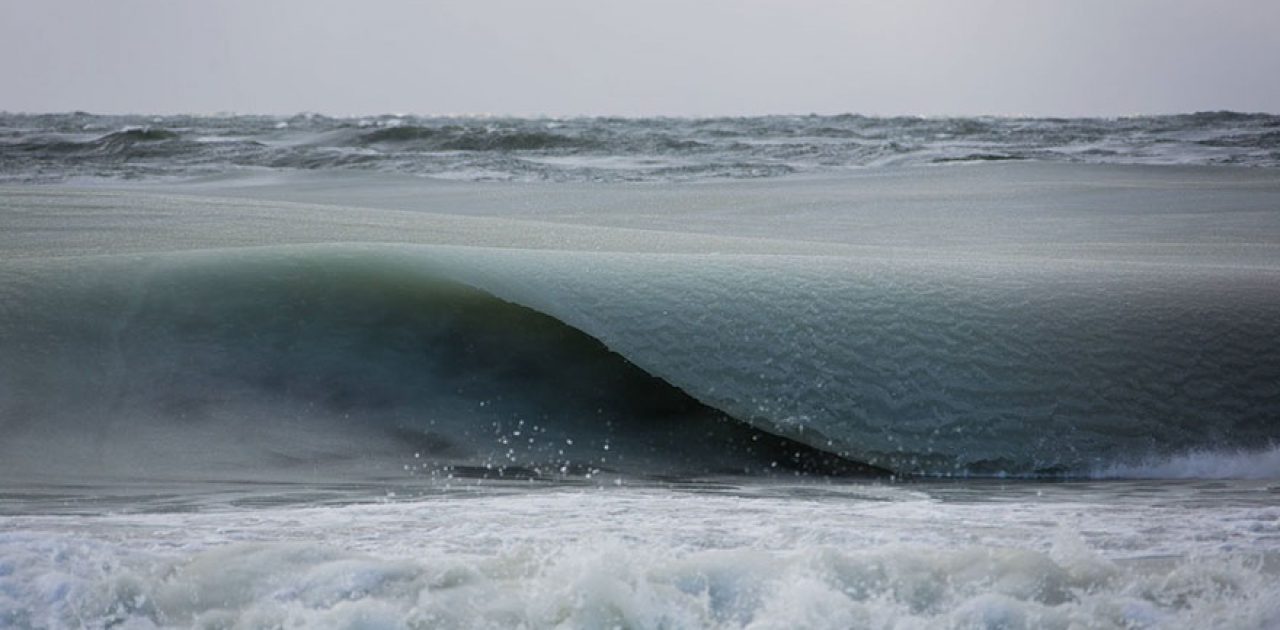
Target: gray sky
{"x":634,"y":57}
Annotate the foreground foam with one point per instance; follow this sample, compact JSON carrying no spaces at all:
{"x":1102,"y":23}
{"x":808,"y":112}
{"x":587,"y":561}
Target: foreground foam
{"x":640,"y":559}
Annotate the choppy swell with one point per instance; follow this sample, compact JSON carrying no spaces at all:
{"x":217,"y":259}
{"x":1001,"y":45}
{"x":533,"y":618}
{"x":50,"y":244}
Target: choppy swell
{"x":389,"y":358}
{"x":60,"y":146}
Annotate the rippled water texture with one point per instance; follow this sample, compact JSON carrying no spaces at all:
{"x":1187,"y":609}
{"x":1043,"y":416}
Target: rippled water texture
{"x":56,"y":147}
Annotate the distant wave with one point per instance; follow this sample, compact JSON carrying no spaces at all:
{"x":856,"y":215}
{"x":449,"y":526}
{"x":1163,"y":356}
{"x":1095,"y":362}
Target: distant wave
{"x":135,"y":135}
{"x":47,"y":147}
{"x":455,"y":138}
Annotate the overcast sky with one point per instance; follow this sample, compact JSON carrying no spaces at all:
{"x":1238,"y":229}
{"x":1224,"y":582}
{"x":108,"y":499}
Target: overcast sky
{"x":636,"y":57}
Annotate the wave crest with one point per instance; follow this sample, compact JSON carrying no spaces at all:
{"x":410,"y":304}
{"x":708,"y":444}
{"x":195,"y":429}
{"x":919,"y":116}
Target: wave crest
{"x":454,"y":138}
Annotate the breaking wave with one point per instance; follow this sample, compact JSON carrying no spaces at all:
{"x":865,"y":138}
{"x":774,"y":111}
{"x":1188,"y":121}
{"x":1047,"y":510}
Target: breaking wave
{"x":378,"y":358}
{"x":265,"y":362}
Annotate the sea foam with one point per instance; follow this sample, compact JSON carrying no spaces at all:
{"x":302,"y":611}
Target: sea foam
{"x":1202,"y":464}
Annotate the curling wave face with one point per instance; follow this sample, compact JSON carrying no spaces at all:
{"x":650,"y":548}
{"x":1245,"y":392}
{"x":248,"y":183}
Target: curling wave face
{"x":287,"y":357}
{"x":347,"y":362}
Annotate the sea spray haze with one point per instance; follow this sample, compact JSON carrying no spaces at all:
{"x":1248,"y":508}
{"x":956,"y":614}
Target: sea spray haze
{"x":788,"y":371}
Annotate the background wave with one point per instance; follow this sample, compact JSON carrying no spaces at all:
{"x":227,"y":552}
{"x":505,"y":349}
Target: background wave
{"x":55,"y":147}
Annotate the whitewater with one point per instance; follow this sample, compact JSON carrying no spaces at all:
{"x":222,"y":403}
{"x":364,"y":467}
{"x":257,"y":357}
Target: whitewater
{"x":777,"y":372}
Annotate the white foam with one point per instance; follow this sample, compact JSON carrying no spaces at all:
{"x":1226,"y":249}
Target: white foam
{"x":644,"y":558}
{"x":1203,"y":464}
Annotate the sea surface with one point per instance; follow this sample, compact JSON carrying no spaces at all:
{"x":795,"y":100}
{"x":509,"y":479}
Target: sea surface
{"x":777,"y":372}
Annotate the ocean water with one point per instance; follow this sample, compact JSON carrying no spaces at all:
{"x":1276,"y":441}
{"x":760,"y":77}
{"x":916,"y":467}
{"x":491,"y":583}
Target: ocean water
{"x":57,"y":147}
{"x":777,"y":372}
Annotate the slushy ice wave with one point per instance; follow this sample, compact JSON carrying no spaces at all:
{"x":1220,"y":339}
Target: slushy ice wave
{"x":240,"y":335}
{"x":356,"y":400}
{"x":648,"y":364}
